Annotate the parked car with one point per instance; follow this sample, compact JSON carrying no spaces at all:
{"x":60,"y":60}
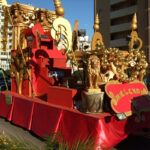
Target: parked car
{"x":2,"y":81}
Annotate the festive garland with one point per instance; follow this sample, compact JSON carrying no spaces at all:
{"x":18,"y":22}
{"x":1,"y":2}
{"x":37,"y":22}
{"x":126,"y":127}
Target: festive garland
{"x":119,"y":62}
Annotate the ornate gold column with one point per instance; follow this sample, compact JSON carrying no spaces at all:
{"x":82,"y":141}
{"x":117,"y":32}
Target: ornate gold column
{"x":22,"y":16}
{"x":17,"y":31}
{"x":46,"y":18}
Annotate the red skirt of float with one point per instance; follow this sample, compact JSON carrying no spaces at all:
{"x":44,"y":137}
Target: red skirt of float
{"x":43,"y":119}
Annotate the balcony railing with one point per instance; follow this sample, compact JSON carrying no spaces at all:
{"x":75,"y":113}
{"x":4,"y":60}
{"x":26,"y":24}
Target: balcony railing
{"x":118,"y":42}
{"x":112,"y":2}
{"x":123,"y":12}
{"x":120,"y":27}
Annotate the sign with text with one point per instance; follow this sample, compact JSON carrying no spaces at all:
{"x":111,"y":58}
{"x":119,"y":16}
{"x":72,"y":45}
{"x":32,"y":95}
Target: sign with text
{"x":122,"y":94}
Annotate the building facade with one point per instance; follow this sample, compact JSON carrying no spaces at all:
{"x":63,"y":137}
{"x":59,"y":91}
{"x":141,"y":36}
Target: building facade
{"x":84,"y":44}
{"x":116,"y":16}
{"x":5,"y":54}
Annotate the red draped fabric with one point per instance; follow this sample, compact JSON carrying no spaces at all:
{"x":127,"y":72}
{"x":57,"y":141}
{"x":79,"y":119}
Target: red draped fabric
{"x":22,"y":112}
{"x":45,"y":119}
{"x":111,"y":129}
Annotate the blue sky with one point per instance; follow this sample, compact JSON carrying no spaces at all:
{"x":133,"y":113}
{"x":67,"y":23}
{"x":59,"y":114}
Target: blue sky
{"x":81,"y":10}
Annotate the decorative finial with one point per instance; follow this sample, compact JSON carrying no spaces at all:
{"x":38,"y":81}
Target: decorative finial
{"x":96,"y":24}
{"x":59,"y":9}
{"x":76,"y":25}
{"x":134,"y":22}
{"x":97,"y":39}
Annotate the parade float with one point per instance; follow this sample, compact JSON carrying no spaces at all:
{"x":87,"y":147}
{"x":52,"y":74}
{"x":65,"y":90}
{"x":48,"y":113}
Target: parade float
{"x":113,"y":98}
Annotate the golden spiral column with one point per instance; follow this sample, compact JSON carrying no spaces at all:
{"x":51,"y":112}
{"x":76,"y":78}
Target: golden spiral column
{"x":16,"y":36}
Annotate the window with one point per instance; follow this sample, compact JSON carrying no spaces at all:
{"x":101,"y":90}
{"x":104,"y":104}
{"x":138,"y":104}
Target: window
{"x":9,"y":34}
{"x":100,"y":11}
{"x":10,"y":47}
{"x":133,"y":2}
{"x":10,"y":28}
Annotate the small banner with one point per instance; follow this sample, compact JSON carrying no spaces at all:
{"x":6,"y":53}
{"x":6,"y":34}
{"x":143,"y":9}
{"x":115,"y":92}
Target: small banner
{"x":122,"y":94}
{"x":8,"y":99}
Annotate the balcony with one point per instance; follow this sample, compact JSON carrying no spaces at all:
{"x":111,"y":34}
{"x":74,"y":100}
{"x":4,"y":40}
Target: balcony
{"x":120,"y":27}
{"x":118,"y":42}
{"x":113,"y":2}
{"x":123,"y":12}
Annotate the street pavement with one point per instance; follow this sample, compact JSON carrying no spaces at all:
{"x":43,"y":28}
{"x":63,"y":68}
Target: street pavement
{"x":20,"y":134}
{"x":134,"y":142}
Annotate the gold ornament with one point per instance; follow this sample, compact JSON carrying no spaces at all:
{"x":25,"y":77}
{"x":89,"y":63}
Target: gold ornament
{"x":97,"y":39}
{"x":96,"y":24}
{"x":134,"y":22}
{"x":61,"y":26}
{"x":60,"y":11}
{"x":134,"y":34}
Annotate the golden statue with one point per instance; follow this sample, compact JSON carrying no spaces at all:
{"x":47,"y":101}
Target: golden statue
{"x":93,"y":69}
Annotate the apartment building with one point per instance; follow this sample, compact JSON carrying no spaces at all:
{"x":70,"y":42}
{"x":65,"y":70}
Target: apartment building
{"x":116,"y":16}
{"x":5,"y":54}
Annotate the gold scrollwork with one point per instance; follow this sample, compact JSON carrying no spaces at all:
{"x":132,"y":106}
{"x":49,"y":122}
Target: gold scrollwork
{"x":29,"y":17}
{"x":62,"y":31}
{"x":135,"y":38}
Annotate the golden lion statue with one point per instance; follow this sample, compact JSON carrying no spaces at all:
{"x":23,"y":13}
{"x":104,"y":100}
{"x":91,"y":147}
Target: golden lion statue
{"x":93,"y":71}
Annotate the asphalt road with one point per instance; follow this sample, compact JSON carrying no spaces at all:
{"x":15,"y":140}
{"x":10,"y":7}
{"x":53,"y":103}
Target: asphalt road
{"x":134,"y":142}
{"x":20,"y":134}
